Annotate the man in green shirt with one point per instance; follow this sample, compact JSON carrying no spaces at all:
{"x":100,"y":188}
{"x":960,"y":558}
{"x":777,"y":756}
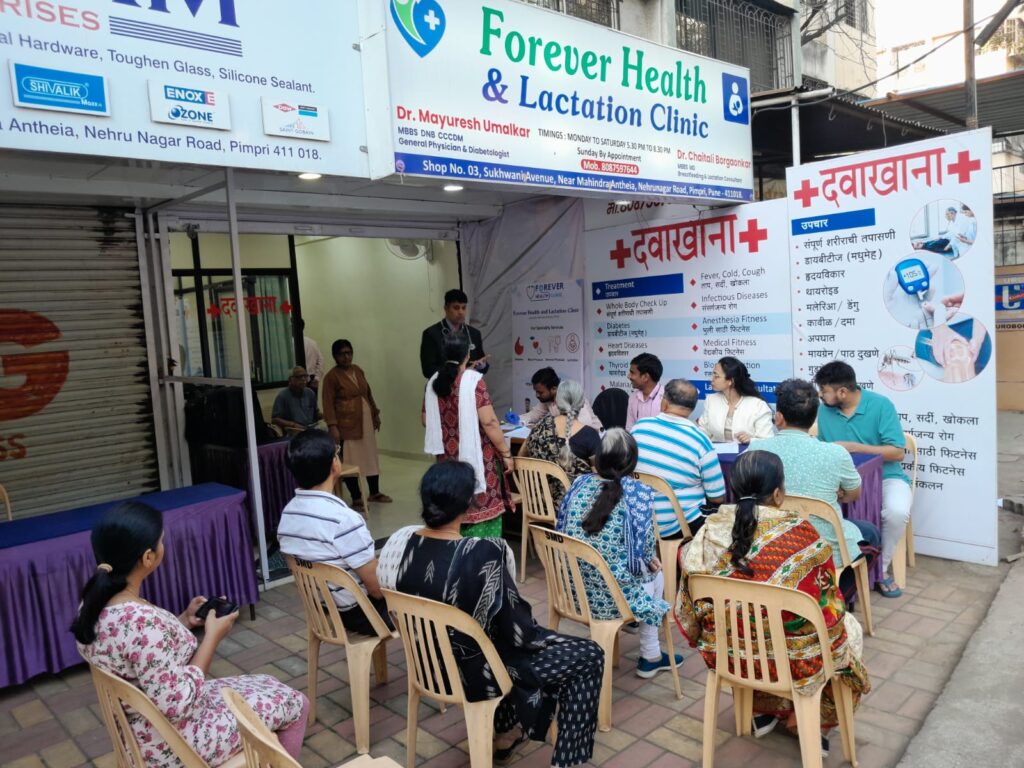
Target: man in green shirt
{"x":816,"y":469}
{"x":862,"y":421}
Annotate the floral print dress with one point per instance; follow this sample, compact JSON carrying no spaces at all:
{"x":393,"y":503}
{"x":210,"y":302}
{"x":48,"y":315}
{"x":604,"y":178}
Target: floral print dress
{"x":628,"y":531}
{"x":150,"y":648}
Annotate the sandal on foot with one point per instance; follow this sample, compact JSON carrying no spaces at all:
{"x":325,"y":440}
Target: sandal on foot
{"x":381,"y":498}
{"x":502,"y":756}
{"x":887,"y":587}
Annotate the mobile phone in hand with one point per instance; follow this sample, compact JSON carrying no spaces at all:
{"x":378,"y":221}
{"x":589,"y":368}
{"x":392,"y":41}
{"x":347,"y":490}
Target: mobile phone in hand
{"x":219,"y":605}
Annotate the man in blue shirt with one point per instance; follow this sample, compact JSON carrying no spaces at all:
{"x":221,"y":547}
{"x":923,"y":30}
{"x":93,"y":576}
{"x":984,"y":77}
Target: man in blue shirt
{"x":295,"y":406}
{"x":865,"y":422}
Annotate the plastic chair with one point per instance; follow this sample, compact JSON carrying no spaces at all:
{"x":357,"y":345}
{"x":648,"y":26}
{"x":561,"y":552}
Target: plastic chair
{"x":567,"y":599}
{"x":433,"y":671}
{"x":805,"y":506}
{"x":7,"y":503}
{"x":260,"y":746}
{"x":741,"y":606}
{"x":903,"y":556}
{"x":114,"y":695}
{"x":323,"y":621}
{"x":532,"y":479}
{"x":668,"y":549}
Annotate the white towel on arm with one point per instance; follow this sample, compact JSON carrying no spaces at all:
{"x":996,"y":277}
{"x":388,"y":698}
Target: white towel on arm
{"x":470,"y":449}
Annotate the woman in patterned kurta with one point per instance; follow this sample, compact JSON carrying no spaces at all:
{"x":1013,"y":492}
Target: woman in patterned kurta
{"x":484,"y":517}
{"x":154,"y":650}
{"x":549,"y":670}
{"x":614,"y":514}
{"x":754,"y":540}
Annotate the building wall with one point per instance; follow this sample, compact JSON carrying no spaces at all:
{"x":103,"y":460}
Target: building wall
{"x":1010,"y":359}
{"x":355,"y":288}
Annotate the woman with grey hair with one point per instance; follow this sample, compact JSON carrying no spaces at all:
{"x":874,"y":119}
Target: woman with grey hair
{"x":564,"y":439}
{"x":614,"y":513}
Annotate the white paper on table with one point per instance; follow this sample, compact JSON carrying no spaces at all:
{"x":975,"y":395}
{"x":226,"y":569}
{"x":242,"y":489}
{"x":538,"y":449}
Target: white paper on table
{"x":727,"y":447}
{"x":519,"y":433}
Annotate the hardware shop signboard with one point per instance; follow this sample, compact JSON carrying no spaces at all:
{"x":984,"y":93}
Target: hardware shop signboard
{"x":536,"y":98}
{"x":243,"y":83}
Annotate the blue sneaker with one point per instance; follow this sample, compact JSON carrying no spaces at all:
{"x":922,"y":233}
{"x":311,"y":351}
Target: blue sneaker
{"x":648,"y":669}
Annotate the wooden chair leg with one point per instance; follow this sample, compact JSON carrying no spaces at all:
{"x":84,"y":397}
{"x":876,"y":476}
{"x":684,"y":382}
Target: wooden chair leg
{"x":743,"y":709}
{"x":480,"y":729}
{"x":667,"y":624}
{"x":844,"y":708}
{"x":860,"y":573}
{"x":380,"y":663}
{"x":808,"y":726}
{"x":523,"y":547}
{"x":711,"y":691}
{"x":605,"y":634}
{"x":899,"y":563}
{"x":360,"y":660}
{"x":909,"y":535}
{"x":312,"y":671}
{"x":411,"y":727}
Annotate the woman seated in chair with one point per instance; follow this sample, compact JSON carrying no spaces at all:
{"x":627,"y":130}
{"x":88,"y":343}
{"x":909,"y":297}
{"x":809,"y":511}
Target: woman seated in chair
{"x":563,"y":439}
{"x":155,"y":650}
{"x":754,"y":540}
{"x":477,"y":575}
{"x":615,"y":514}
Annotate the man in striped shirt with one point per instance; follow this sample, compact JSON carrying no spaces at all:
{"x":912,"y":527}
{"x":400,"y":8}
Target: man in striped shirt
{"x":319,"y":527}
{"x":674,"y":448}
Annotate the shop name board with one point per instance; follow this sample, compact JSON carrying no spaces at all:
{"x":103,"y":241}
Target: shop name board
{"x":186,"y":81}
{"x":542,"y":99}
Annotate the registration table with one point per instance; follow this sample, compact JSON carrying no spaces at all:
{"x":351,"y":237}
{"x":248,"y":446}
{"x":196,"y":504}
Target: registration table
{"x":46,"y":560}
{"x":868,"y":507}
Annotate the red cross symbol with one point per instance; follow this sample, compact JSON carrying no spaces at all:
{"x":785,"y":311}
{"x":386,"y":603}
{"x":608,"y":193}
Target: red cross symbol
{"x":753,"y":235}
{"x":213,"y":310}
{"x":963,"y":167}
{"x":806,"y":193}
{"x":286,"y":307}
{"x":620,"y":254}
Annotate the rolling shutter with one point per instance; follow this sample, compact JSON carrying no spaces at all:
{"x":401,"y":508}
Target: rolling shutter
{"x":76,"y":424}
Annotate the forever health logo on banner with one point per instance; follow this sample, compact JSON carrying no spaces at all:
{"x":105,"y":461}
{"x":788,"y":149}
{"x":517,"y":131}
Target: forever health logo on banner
{"x":421,"y":22}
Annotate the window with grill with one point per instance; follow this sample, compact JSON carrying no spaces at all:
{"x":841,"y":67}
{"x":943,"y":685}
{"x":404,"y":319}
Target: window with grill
{"x":602,"y":12}
{"x":741,"y":33}
{"x":854,"y":13}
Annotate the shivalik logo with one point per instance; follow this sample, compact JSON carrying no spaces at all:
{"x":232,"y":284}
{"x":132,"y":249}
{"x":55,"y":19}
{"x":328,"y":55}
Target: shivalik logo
{"x":421,"y":23}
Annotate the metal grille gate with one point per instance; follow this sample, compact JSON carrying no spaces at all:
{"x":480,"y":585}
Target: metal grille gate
{"x":76,"y":424}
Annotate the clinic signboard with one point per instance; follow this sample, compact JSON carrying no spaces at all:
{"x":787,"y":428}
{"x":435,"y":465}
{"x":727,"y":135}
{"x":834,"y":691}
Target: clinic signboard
{"x":249,"y":84}
{"x":504,"y":92}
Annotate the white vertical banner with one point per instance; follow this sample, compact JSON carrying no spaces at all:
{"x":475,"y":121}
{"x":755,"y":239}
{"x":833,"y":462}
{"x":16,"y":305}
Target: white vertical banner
{"x":547,"y":324}
{"x":892,"y":265}
{"x":690,"y":288}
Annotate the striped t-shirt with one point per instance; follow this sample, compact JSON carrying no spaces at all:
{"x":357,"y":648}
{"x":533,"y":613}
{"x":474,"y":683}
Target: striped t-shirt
{"x":321,"y":528}
{"x":674,"y":448}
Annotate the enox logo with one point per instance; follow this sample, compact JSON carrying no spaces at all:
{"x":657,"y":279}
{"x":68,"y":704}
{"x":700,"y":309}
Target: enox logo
{"x":227,"y":8}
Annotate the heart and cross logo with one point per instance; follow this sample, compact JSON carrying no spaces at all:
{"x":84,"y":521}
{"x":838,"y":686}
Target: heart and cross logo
{"x":421,"y":22}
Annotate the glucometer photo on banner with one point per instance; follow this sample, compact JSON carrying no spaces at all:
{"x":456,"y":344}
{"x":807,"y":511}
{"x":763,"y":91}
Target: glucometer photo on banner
{"x":923,"y":290}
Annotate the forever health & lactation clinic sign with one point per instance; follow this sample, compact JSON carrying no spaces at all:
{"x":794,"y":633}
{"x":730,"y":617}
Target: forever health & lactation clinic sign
{"x":500,"y":91}
{"x":244,"y":83}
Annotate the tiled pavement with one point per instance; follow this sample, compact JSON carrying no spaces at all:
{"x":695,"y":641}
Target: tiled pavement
{"x":55,"y":721}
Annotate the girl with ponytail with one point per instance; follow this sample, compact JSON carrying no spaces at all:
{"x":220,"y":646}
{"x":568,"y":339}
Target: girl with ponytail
{"x":755,"y":539}
{"x":122,"y":633}
{"x":614,"y":513}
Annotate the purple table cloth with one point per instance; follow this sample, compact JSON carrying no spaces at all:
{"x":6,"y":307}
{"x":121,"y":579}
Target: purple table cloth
{"x":208,"y":550}
{"x":868,"y":507}
{"x":230,"y":466}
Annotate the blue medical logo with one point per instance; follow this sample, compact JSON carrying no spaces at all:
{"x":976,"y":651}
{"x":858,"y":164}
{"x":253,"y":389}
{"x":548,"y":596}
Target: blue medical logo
{"x":735,"y":99}
{"x":421,"y":22}
{"x":59,"y":90}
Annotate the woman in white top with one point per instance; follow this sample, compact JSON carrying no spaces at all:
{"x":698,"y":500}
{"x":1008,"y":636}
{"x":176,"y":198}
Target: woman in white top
{"x":736,"y":411}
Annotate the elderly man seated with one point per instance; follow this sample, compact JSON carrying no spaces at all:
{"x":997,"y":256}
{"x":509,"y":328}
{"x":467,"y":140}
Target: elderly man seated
{"x":295,"y":406}
{"x":674,"y":448}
